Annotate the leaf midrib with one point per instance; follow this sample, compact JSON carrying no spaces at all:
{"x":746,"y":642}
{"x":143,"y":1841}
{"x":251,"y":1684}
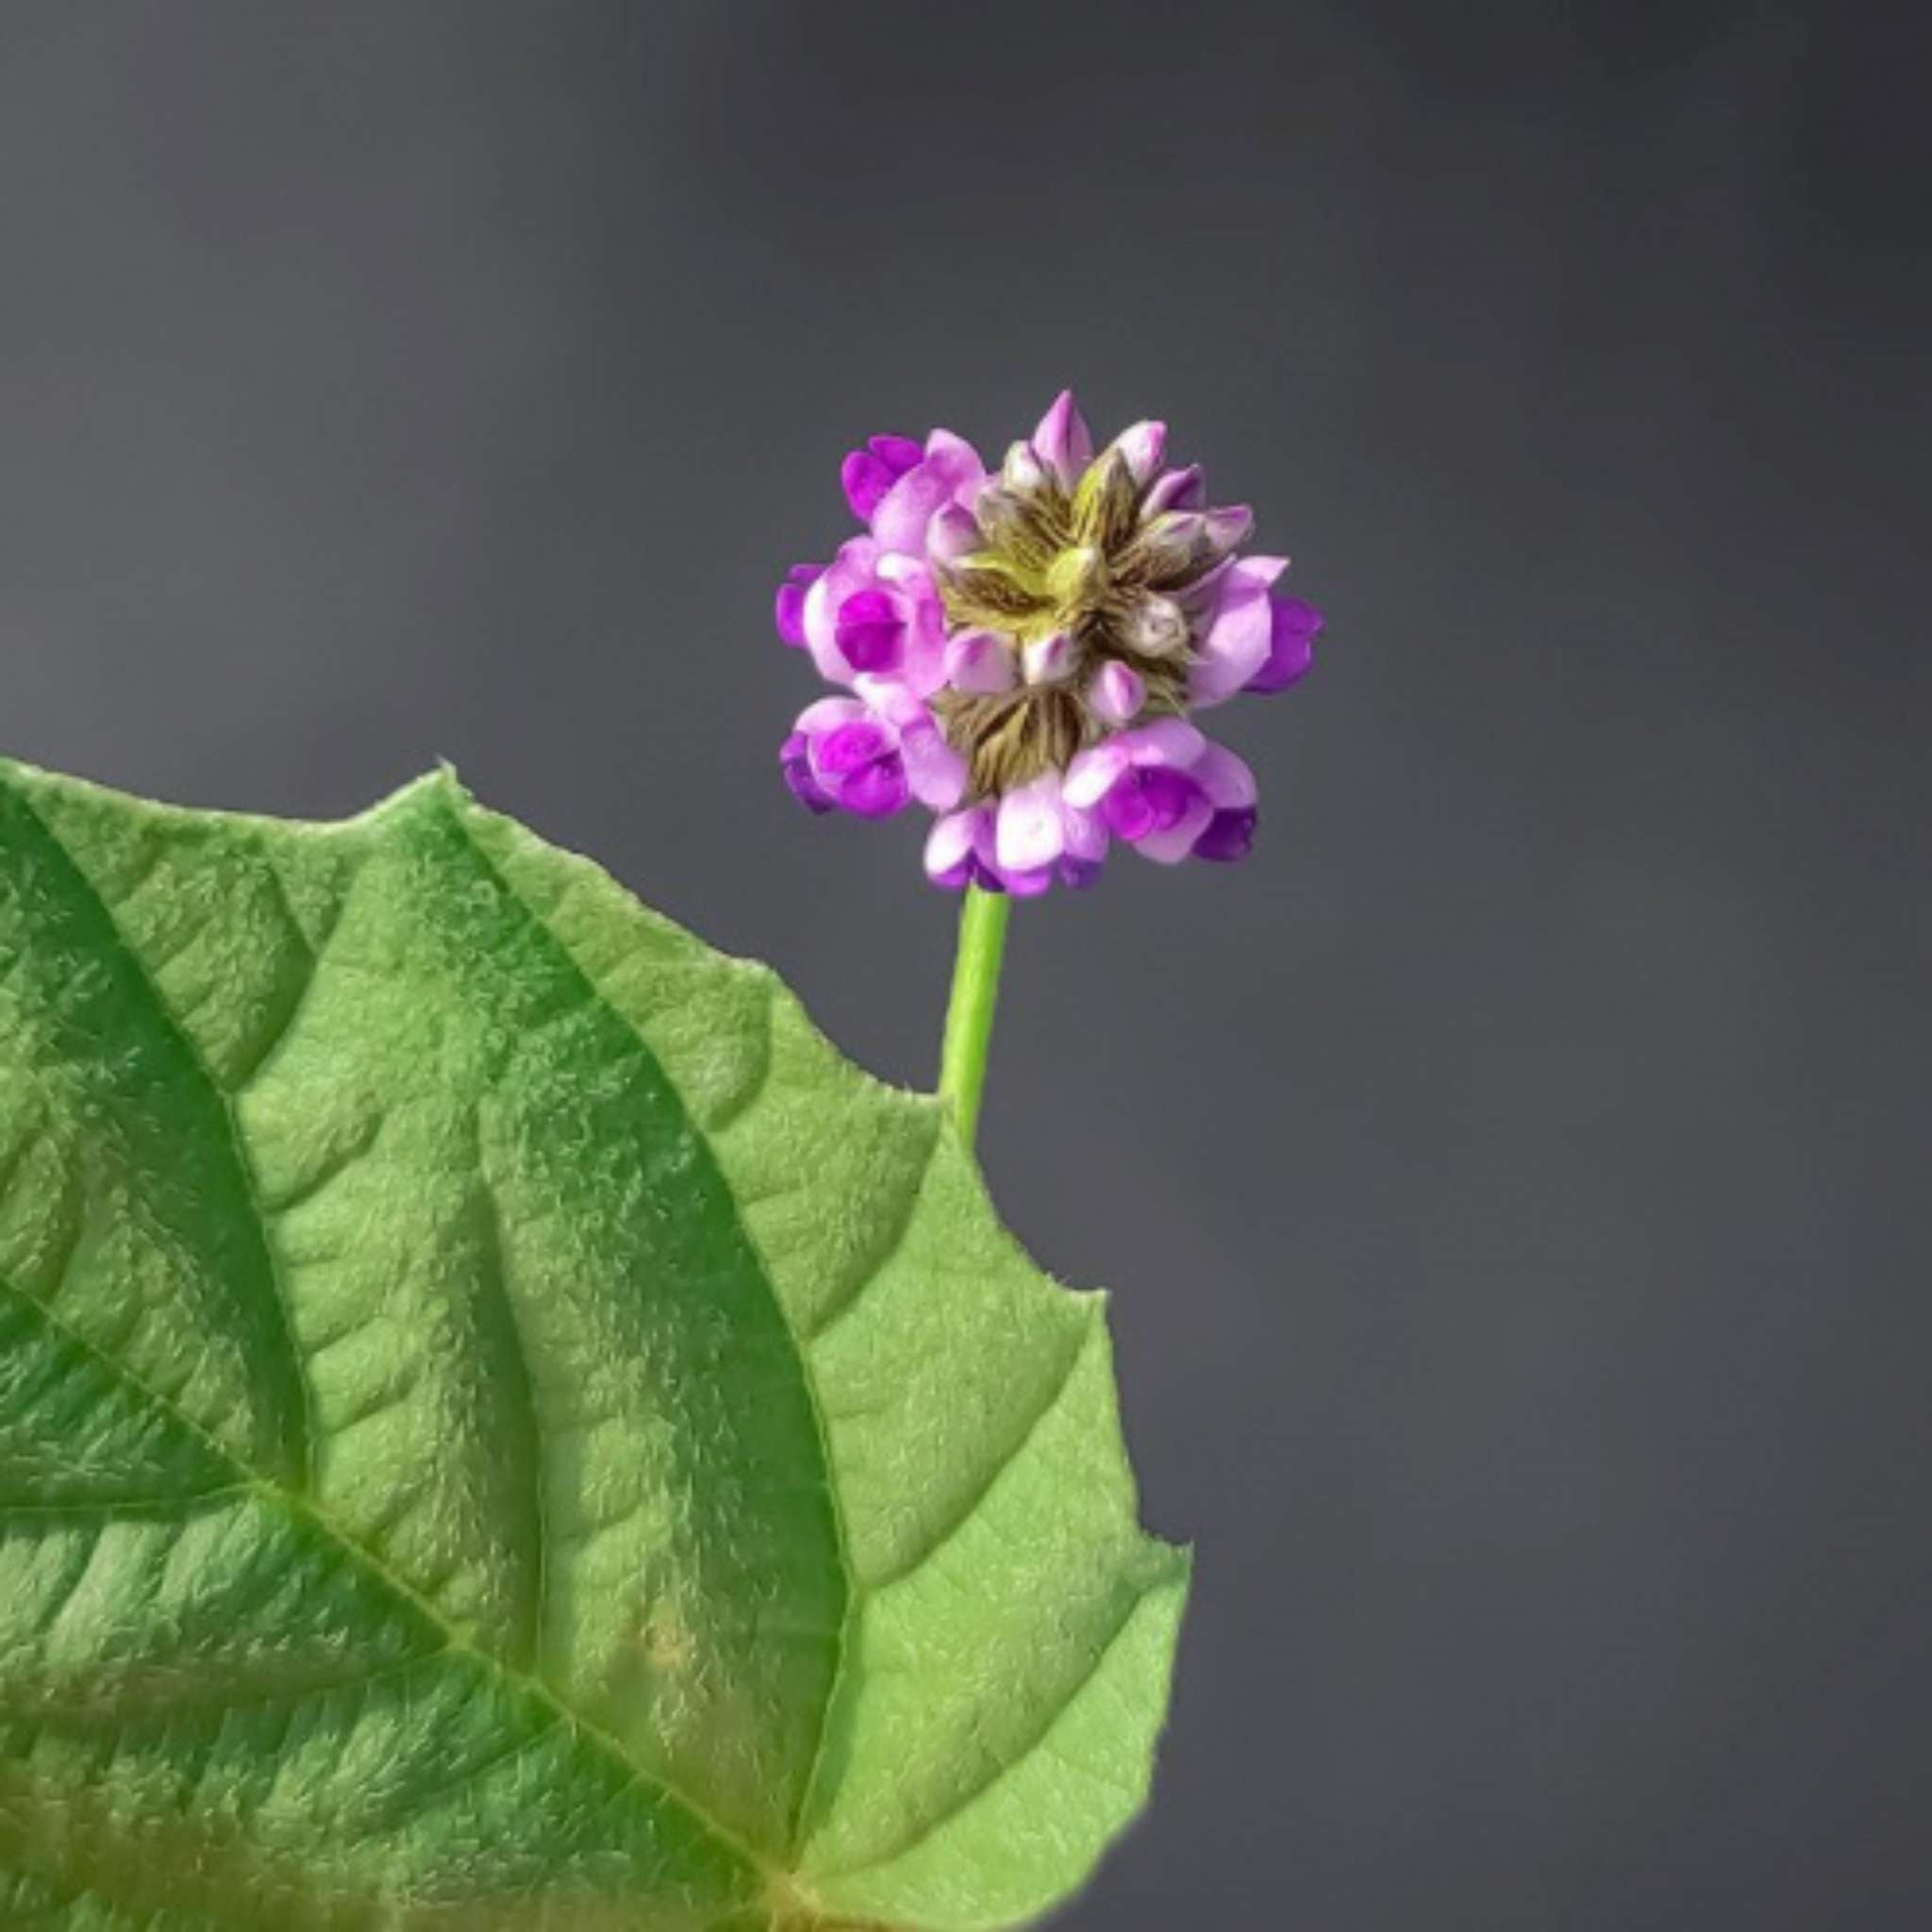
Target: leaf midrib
{"x":299,"y":1507}
{"x":301,"y":1511}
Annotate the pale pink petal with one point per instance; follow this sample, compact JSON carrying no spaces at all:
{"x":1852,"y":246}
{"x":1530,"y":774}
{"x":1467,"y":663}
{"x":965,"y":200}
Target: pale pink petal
{"x":1049,"y":659}
{"x":952,"y":534}
{"x":1117,"y":694}
{"x":1093,"y":772}
{"x":949,"y":846}
{"x":1225,"y":777}
{"x":1173,"y":846}
{"x":1031,"y":831}
{"x":1063,"y":443}
{"x":1171,"y":741}
{"x":906,"y":510}
{"x":1086,"y":833}
{"x":828,"y":714}
{"x":933,"y":770}
{"x":1143,"y":444}
{"x":1235,"y":644}
{"x":979,"y":661}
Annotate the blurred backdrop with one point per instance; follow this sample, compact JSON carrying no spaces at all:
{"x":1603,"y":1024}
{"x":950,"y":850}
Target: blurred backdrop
{"x":1512,"y":1181}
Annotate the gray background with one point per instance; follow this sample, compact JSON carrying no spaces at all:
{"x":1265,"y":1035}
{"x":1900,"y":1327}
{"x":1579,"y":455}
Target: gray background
{"x":1513,"y":1179}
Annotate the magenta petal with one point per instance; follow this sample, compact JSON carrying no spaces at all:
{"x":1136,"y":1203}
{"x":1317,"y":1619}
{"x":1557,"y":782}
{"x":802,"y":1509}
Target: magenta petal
{"x":1167,"y":795}
{"x":849,"y":748}
{"x":1148,"y":801}
{"x":1169,"y":844}
{"x":865,"y":480}
{"x":852,"y":570}
{"x":876,"y":790}
{"x":794,"y":762}
{"x":869,"y":631}
{"x":898,"y":453}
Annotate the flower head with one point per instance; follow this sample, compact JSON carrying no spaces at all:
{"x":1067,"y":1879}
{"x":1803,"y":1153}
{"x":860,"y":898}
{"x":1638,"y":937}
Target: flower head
{"x":1023,"y":648}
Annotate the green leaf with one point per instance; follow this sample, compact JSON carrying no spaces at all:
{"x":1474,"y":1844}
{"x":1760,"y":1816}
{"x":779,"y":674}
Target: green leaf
{"x":500,"y":1426}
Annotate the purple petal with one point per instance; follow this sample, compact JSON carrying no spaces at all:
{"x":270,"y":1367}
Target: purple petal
{"x":794,"y":762}
{"x":898,"y":453}
{"x":1131,"y":810}
{"x":1029,"y":883}
{"x":1176,"y":490}
{"x":1229,"y":835}
{"x":789,"y":606}
{"x":805,"y":787}
{"x":1294,"y":628}
{"x":1079,"y":873}
{"x":1229,"y":527}
{"x":1171,"y":843}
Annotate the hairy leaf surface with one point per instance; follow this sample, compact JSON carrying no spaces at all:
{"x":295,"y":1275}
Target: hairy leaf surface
{"x":500,"y":1426}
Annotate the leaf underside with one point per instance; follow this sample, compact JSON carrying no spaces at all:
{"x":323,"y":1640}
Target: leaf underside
{"x":500,"y":1426}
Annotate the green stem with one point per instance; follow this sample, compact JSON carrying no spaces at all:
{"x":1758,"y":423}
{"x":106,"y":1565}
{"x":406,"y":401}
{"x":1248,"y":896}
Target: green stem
{"x":969,"y":1015}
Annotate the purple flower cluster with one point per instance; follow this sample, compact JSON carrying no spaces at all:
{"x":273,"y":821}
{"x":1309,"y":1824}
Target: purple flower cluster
{"x":1021,"y":649}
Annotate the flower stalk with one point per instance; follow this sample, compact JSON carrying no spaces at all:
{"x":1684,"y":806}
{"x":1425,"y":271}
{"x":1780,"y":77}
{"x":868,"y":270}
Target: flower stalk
{"x":970,"y":1011}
